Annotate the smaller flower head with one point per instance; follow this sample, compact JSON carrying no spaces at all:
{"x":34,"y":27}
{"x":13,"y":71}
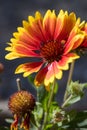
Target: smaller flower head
{"x":21,"y":104}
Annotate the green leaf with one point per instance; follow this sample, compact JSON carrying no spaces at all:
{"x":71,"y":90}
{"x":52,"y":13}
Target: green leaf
{"x":37,"y":114}
{"x":75,"y":93}
{"x":83,"y":124}
{"x":48,"y":126}
{"x":76,"y":88}
{"x":43,"y":96}
{"x":4,"y":128}
{"x":73,"y":99}
{"x":9,"y":120}
{"x":52,"y":127}
{"x":76,"y":119}
{"x":41,"y":93}
{"x":33,"y":127}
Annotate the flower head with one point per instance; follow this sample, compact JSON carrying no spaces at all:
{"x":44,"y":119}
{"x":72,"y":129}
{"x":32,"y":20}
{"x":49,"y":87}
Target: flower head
{"x":21,"y":104}
{"x":51,"y":39}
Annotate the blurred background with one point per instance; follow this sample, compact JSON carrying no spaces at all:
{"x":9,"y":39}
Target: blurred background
{"x":12,"y":12}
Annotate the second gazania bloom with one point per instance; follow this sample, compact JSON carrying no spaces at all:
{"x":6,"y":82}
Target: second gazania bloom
{"x":52,"y":40}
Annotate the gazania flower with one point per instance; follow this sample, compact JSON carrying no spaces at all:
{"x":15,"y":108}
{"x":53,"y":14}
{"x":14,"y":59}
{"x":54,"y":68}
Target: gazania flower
{"x":21,"y":104}
{"x":51,"y":39}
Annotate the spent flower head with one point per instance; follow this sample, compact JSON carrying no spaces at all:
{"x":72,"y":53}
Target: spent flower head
{"x":21,"y":104}
{"x":52,"y":40}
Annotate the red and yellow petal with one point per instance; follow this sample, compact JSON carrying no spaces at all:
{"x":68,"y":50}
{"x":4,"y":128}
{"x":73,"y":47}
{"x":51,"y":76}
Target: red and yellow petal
{"x":59,"y":24}
{"x":14,"y":125}
{"x":39,"y":79}
{"x":78,"y":40}
{"x":35,"y":30}
{"x":76,"y":37}
{"x":12,"y":56}
{"x":73,"y":42}
{"x":26,"y":39}
{"x":66,"y":20}
{"x":53,"y":72}
{"x":24,"y":36}
{"x":30,"y":46}
{"x":26,"y":52}
{"x":29,"y":68}
{"x":34,"y":27}
{"x":48,"y":74}
{"x":84,"y":43}
{"x":86,"y":27}
{"x":63,"y":64}
{"x":19,"y":49}
{"x":20,"y":53}
{"x":49,"y":24}
{"x":58,"y":72}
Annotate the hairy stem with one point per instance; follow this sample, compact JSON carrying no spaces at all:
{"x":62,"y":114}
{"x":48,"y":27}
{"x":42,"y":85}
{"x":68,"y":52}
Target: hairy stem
{"x":69,"y":79}
{"x":48,"y":106}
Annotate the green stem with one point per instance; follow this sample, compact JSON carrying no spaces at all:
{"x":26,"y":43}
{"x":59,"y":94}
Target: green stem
{"x":37,"y":94}
{"x":64,"y":104}
{"x":51,"y":94}
{"x":48,"y":106}
{"x":45,"y":120}
{"x":69,"y":79}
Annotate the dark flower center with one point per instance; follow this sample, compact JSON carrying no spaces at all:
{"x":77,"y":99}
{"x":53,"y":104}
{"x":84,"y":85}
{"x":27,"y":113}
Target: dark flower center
{"x":52,"y":51}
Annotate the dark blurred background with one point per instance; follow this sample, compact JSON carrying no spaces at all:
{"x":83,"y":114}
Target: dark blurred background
{"x":12,"y":12}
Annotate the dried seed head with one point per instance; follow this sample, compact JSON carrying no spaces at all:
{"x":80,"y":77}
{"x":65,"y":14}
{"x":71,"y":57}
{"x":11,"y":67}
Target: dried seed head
{"x":21,"y":102}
